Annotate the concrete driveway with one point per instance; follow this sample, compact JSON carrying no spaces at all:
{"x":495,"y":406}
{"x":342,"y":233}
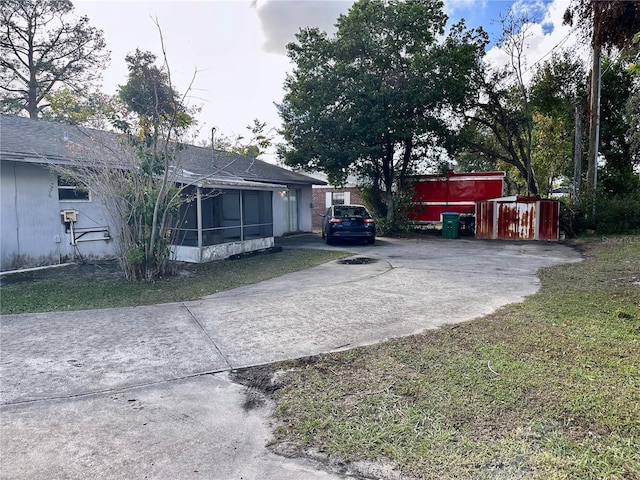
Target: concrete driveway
{"x":143,"y":392}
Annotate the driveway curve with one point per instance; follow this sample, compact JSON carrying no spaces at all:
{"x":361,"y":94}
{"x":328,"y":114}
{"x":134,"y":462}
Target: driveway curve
{"x":116,"y":393}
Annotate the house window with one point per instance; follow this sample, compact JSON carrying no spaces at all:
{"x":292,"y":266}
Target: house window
{"x":338,"y":198}
{"x":70,"y":190}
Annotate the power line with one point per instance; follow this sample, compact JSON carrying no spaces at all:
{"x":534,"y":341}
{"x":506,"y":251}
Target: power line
{"x":557,"y":45}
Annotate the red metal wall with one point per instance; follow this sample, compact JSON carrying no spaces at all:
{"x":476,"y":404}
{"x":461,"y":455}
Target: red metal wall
{"x":484,"y":219}
{"x":549,"y":220}
{"x":453,"y":192}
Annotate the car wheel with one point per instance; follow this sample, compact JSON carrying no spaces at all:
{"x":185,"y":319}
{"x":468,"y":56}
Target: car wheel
{"x":371,"y":241}
{"x":328,"y":240}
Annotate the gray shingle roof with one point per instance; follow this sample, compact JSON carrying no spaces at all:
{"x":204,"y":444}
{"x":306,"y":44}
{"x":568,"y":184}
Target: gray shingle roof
{"x":25,"y":139}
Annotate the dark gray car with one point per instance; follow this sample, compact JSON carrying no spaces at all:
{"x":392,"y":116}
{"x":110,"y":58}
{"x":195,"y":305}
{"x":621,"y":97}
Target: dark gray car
{"x":348,"y":222}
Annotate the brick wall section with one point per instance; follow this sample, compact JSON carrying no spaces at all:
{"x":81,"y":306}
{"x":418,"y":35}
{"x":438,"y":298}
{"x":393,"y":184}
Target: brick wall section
{"x":319,"y":201}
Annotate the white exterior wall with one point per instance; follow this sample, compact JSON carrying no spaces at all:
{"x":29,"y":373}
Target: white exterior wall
{"x":280,"y":212}
{"x":32,"y":231}
{"x":279,"y":207}
{"x":305,"y":207}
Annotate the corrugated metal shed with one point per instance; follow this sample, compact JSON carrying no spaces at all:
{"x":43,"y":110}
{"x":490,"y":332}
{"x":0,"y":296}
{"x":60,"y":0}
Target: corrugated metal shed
{"x":518,"y":218}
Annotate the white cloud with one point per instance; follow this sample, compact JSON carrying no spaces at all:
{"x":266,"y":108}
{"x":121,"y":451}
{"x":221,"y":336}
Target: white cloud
{"x":532,"y":9}
{"x":282,"y":19}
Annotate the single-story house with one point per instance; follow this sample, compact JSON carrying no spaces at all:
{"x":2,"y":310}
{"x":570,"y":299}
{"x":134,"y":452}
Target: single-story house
{"x":239,"y":204}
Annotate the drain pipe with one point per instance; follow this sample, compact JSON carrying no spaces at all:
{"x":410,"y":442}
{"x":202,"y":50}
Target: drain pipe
{"x":33,"y":269}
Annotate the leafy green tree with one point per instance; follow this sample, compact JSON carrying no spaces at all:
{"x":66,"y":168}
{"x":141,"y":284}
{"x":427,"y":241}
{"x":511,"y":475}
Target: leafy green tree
{"x":556,"y":85}
{"x":161,"y":120}
{"x":499,"y":122}
{"x":91,"y":110}
{"x":380,"y":96}
{"x":633,"y":103}
{"x":150,"y":95}
{"x":552,"y":147}
{"x":556,"y":90}
{"x":605,"y":23}
{"x":259,"y":141}
{"x":501,"y":132}
{"x":618,"y":175}
{"x":42,"y":49}
{"x":634,"y":55}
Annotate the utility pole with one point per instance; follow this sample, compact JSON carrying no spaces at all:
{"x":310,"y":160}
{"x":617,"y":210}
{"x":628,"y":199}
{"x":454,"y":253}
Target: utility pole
{"x":594,"y":125}
{"x":577,"y":154}
{"x":594,"y":120}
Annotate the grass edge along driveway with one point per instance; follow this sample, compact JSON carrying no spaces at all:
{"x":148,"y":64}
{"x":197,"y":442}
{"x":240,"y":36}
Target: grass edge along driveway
{"x":548,"y":388}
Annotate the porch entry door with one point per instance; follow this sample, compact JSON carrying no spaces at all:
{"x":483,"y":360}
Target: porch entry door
{"x":292,"y":210}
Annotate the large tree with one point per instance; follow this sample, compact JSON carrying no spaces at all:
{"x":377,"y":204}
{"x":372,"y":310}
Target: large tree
{"x":605,"y":23}
{"x":43,"y":48}
{"x":91,"y":110}
{"x":633,"y":103}
{"x":557,"y":84}
{"x":380,"y":96}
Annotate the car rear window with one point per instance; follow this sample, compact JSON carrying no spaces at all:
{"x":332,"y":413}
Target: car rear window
{"x":350,"y":212}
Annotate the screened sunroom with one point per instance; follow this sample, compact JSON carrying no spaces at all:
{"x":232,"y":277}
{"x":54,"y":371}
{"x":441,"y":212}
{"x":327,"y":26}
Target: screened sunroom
{"x":224,"y":219}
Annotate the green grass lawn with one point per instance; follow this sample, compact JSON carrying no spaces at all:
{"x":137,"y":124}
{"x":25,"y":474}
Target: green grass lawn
{"x":88,"y":286}
{"x":545,"y":389}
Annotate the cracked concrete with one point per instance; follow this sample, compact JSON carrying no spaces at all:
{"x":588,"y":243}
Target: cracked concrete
{"x":142,"y":392}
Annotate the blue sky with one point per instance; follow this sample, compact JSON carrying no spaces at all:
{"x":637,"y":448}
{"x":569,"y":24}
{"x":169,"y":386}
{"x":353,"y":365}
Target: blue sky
{"x":232,"y":52}
{"x":487,"y":14}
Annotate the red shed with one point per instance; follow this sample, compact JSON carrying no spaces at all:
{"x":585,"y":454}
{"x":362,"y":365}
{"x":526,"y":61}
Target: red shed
{"x":518,"y":218}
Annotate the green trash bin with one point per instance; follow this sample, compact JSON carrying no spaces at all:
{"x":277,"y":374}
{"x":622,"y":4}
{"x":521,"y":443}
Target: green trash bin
{"x":450,"y":225}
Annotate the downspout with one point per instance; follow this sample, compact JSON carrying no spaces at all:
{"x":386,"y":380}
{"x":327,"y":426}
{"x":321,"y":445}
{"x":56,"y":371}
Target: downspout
{"x":199,"y":215}
{"x":15,"y":206}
